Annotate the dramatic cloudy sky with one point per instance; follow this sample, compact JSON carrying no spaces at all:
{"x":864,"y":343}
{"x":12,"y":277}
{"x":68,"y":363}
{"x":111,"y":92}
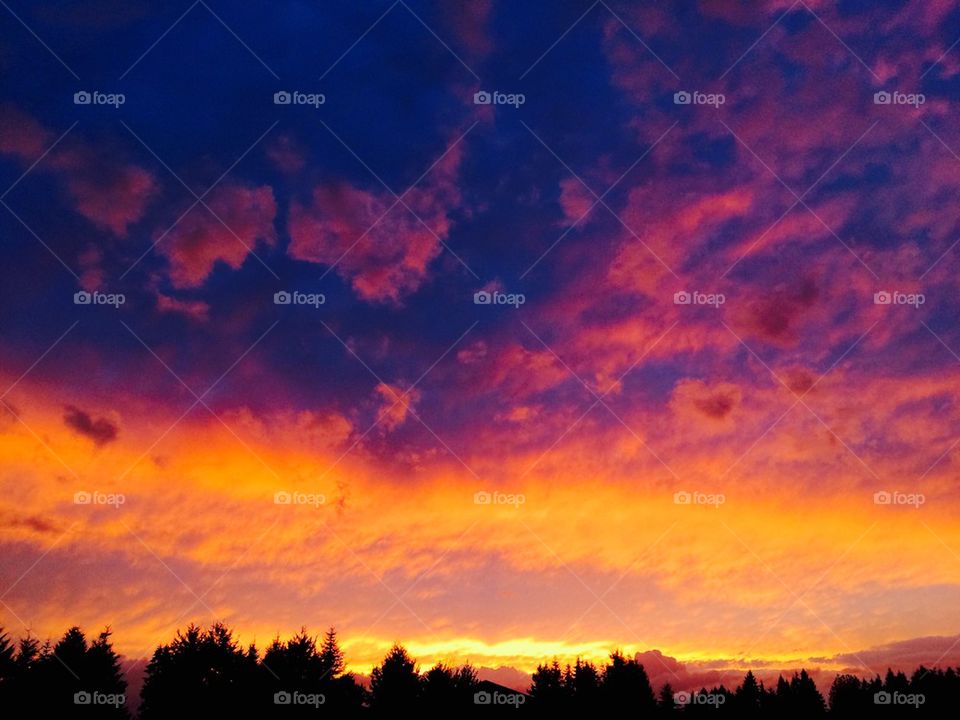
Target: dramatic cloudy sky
{"x":779,"y":401}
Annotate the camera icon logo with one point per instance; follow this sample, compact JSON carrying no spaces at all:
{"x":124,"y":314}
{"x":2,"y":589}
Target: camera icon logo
{"x":482,"y":497}
{"x":482,"y":298}
{"x":82,"y":498}
{"x":682,"y":298}
{"x":482,"y":698}
{"x":682,"y":497}
{"x":682,"y":98}
{"x":482,"y":97}
{"x":681,"y":698}
{"x":882,"y":298}
{"x":282,"y":298}
{"x":882,"y":698}
{"x":82,"y":97}
{"x":282,"y":698}
{"x":881,"y":97}
{"x":882,"y":497}
{"x":82,"y":297}
{"x":282,"y":97}
{"x":82,"y":698}
{"x":282,"y":497}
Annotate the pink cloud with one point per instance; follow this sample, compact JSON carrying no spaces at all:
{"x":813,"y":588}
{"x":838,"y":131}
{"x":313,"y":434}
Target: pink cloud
{"x":384,"y":253}
{"x":110,"y":193}
{"x":194,"y":309}
{"x":575,"y":199}
{"x":695,"y":400}
{"x":904,"y":655}
{"x":396,"y":404}
{"x":286,"y":154}
{"x":472,"y":353}
{"x":775,"y":315}
{"x":91,"y":277}
{"x":520,"y":373}
{"x":110,"y":196}
{"x":468,"y":20}
{"x":507,"y":676}
{"x":201,"y":240}
{"x":22,"y":136}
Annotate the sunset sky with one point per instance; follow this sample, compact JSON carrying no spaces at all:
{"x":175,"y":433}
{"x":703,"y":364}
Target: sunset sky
{"x":787,"y":201}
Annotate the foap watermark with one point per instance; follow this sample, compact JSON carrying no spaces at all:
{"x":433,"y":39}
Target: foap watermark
{"x":95,"y":97}
{"x":498,"y":698}
{"x":683,"y":97}
{"x":684,"y":297}
{"x":95,"y":697}
{"x":682,"y":497}
{"x":886,"y":297}
{"x":283,"y":297}
{"x":296,"y":697}
{"x":495,"y":97}
{"x":482,"y":497}
{"x":884,"y":497}
{"x":295,"y":97}
{"x":82,"y":297}
{"x":495,"y":297}
{"x":898,"y":698}
{"x":896,"y":97}
{"x":699,"y":698}
{"x":284,"y":497}
{"x":99,"y":498}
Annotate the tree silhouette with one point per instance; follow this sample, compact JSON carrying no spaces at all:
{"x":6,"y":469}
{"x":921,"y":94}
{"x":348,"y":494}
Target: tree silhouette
{"x":665,"y":702}
{"x":343,"y":693}
{"x":938,"y":688}
{"x":582,"y":685}
{"x":8,"y":666}
{"x":26,"y":682}
{"x":395,"y":683}
{"x":443,"y":687}
{"x":547,"y":691}
{"x":846,"y":696}
{"x":799,"y":698}
{"x":331,"y":656}
{"x":208,"y":673}
{"x":71,"y":678}
{"x":626,"y":685}
{"x":466,"y":681}
{"x":747,"y":698}
{"x":13,"y":669}
{"x":203,"y":671}
{"x":292,"y":668}
{"x":299,"y":674}
{"x":438,"y":687}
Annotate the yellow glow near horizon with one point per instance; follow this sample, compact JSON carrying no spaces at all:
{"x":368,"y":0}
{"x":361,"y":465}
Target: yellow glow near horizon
{"x":480,"y":581}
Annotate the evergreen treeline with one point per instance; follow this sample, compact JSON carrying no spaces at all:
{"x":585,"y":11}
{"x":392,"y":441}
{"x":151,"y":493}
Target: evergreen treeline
{"x":206,"y":672}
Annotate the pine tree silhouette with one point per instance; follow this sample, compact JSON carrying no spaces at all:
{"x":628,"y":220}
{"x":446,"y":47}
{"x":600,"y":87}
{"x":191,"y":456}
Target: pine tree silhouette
{"x":583,"y":686}
{"x":70,"y":678}
{"x":202,"y":671}
{"x":547,"y":691}
{"x":443,"y":687}
{"x":625,"y":685}
{"x":395,"y":683}
{"x":208,"y":673}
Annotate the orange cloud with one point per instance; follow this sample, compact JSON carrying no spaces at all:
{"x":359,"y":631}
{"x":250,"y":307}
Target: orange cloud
{"x":200,"y":496}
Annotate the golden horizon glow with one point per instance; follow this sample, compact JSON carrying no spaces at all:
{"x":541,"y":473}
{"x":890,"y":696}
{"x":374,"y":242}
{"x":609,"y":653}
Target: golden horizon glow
{"x":691,"y":581}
